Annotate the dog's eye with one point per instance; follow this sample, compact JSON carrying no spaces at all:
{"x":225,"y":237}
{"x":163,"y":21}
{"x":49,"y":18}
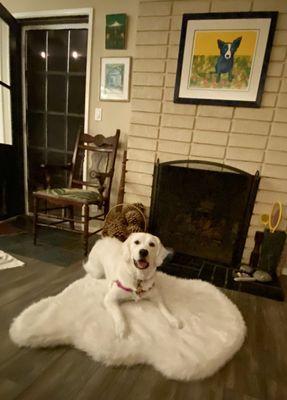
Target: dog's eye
{"x":137,"y":242}
{"x":151,"y":244}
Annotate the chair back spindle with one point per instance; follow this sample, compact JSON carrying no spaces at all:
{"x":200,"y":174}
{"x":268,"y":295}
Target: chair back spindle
{"x":101,"y":155}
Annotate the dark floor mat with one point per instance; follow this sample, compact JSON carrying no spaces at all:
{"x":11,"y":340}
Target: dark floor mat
{"x":7,"y":228}
{"x":46,"y":251}
{"x":53,"y":246}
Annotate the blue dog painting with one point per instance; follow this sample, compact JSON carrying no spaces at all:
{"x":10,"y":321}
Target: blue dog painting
{"x":225,"y":61}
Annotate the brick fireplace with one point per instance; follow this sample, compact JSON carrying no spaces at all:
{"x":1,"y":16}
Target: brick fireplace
{"x":244,"y":138}
{"x":202,"y":210}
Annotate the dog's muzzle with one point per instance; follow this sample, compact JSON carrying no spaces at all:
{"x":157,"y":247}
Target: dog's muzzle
{"x":141,"y":264}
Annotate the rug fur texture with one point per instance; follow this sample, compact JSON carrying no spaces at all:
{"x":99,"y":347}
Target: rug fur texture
{"x":213,"y":330}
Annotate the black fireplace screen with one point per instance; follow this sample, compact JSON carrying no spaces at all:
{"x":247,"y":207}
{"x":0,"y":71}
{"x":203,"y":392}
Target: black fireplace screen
{"x":203,"y":209}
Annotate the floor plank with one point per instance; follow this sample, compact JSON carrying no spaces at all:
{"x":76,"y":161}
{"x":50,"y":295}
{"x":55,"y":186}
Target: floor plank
{"x":58,"y":381}
{"x":11,"y":310}
{"x":257,"y":372}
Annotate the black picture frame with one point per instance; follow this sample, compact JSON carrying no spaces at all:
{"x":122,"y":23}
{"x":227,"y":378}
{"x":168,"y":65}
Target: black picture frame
{"x":193,"y":86}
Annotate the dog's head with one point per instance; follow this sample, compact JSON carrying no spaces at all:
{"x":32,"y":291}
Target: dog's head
{"x":227,"y":50}
{"x":144,"y":251}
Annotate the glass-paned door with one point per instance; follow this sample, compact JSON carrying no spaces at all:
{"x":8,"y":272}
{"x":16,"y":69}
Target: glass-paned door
{"x":55,"y":99}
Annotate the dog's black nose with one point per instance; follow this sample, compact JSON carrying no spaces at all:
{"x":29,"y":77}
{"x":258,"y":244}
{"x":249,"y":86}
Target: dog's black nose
{"x":143,"y":253}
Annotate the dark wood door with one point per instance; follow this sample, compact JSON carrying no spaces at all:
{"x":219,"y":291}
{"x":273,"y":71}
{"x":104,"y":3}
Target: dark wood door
{"x":11,"y":137}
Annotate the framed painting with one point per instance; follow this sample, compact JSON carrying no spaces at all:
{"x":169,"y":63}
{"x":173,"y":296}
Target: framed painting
{"x":223,"y":58}
{"x":115,"y":78}
{"x":116,"y":26}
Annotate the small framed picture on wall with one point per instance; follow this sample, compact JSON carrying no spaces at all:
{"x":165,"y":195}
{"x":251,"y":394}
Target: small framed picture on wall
{"x":115,"y":78}
{"x":116,"y":31}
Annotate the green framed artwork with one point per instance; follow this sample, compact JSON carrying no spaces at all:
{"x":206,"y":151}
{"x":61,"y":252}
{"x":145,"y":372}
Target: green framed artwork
{"x":116,"y":26}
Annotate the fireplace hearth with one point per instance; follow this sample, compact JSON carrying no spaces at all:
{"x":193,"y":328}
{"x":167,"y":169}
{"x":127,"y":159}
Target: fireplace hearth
{"x":185,"y":266}
{"x":202,"y":210}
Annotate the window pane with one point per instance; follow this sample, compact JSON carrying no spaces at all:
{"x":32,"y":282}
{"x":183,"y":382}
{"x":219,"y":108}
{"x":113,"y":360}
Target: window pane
{"x":36,"y":92}
{"x":5,"y":53}
{"x":57,"y":158}
{"x":57,"y":93}
{"x":5,"y":116}
{"x":77,"y":94}
{"x":36,"y":50}
{"x":36,"y":157}
{"x":36,"y":129}
{"x":78,"y":50}
{"x":57,"y":50}
{"x":56,"y":130}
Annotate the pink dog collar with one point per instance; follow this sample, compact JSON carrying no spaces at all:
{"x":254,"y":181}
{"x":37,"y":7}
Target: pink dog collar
{"x":121,"y":286}
{"x":139,"y":290}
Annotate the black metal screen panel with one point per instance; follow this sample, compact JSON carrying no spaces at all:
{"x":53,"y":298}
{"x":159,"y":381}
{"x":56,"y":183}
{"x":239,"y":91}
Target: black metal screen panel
{"x":203,"y":210}
{"x":55,"y":87}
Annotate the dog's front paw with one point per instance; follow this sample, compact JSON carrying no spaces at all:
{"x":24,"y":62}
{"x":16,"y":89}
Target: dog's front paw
{"x":121,"y":330}
{"x":176,"y":323}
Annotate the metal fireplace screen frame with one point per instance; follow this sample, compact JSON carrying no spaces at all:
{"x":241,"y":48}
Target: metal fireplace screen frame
{"x":252,"y":182}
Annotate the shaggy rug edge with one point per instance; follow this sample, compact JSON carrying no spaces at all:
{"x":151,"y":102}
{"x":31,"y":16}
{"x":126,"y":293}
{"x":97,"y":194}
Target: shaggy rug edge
{"x":16,"y":335}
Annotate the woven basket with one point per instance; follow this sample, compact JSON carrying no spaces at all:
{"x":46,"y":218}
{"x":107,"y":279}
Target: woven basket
{"x":124,"y":219}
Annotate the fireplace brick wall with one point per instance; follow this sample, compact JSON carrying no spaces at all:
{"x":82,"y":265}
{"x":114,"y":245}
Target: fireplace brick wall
{"x":245,"y":138}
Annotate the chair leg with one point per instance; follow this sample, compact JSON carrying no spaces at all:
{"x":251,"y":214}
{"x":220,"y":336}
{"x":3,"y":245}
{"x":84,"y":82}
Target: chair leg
{"x":35,"y":220}
{"x":71,"y":215}
{"x":86,"y":229}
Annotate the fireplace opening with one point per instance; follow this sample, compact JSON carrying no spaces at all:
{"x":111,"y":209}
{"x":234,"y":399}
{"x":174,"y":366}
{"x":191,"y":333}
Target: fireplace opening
{"x":202,"y":210}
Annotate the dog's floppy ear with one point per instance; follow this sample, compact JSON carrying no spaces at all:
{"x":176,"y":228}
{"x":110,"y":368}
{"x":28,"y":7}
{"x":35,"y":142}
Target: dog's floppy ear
{"x":161,"y":254}
{"x":126,"y":249}
{"x":220,"y":43}
{"x":236,"y":43}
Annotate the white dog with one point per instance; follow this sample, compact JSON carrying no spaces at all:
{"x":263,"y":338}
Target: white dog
{"x":130,"y":268}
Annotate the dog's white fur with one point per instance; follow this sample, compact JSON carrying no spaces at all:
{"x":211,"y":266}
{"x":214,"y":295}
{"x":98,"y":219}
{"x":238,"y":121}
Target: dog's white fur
{"x":125,"y":263}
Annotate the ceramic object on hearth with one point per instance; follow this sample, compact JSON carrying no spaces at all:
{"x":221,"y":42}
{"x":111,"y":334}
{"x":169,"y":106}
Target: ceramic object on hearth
{"x":262,"y":276}
{"x":246,"y":268}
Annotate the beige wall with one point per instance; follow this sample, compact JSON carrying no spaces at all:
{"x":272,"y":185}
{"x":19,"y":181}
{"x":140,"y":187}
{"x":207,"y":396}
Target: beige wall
{"x":246,"y":138}
{"x":114,"y":114}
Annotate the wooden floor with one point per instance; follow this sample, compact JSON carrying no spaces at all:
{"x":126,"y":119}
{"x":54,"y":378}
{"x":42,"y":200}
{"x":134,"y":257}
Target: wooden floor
{"x":258,"y":371}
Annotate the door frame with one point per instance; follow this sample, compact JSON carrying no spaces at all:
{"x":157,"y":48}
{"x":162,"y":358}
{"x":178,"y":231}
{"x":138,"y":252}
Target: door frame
{"x":89,"y":25}
{"x":14,"y":151}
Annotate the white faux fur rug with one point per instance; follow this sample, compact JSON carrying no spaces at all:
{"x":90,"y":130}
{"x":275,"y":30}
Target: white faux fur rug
{"x":213,"y":327}
{"x":8,"y":261}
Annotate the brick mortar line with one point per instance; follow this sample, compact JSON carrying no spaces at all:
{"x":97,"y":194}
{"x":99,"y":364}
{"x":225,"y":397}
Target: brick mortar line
{"x":168,"y":140}
{"x":153,"y":44}
{"x":229,"y":134}
{"x":264,"y":162}
{"x":140,"y":184}
{"x":163,"y":86}
{"x":167,"y":127}
{"x":190,"y":156}
{"x":137,"y":172}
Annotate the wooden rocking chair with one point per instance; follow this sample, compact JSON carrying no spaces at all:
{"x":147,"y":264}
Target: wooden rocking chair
{"x":101,"y":155}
